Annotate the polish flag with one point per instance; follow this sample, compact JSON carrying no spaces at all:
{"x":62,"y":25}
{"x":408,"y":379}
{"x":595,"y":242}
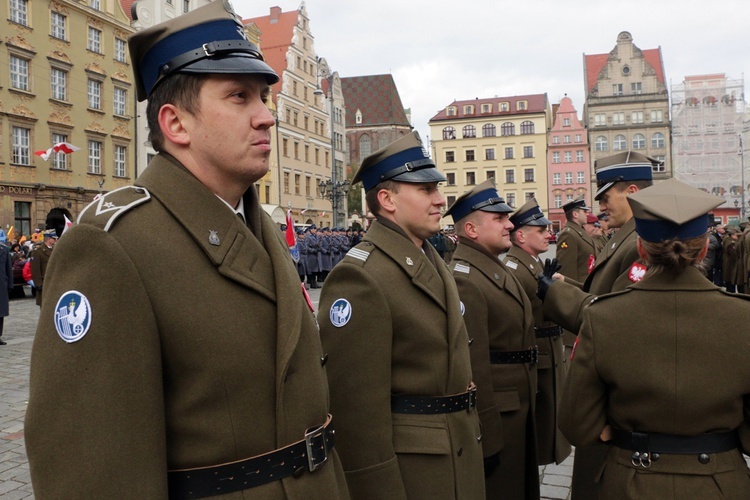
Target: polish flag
{"x":60,"y":147}
{"x":68,"y":224}
{"x":291,"y":236}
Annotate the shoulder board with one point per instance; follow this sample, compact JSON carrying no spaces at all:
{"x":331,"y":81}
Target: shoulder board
{"x":605,"y":296}
{"x":361,"y":252}
{"x":461,"y":268}
{"x":511,"y":264}
{"x":734,"y":294}
{"x":108,"y":207}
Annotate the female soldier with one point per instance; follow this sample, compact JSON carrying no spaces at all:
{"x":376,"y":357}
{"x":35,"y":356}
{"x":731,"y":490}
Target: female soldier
{"x":653,"y":372}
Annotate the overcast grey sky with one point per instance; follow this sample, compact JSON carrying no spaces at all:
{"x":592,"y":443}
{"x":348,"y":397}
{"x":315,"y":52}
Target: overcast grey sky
{"x":442,"y":50}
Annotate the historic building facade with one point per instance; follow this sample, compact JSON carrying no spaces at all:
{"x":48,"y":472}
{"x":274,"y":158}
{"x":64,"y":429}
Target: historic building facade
{"x":502,"y":138}
{"x":627,"y":104}
{"x":568,"y":160}
{"x":66,"y":78}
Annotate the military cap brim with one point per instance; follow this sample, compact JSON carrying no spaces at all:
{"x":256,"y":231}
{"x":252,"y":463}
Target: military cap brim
{"x":483,"y":198}
{"x":578,"y":203}
{"x":625,"y":166}
{"x":529,"y":215}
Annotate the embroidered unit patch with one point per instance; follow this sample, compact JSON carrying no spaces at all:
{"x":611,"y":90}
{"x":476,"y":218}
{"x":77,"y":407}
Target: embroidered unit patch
{"x":72,"y":316}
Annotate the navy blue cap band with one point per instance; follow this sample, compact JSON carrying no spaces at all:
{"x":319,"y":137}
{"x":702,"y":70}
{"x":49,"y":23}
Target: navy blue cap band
{"x":479,"y":201}
{"x":624,"y":172}
{"x":407,"y":160}
{"x":659,"y":230}
{"x":529,"y":216}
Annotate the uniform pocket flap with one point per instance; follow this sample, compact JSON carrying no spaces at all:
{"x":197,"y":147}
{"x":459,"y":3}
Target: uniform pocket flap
{"x":508,"y":400}
{"x":429,"y":439}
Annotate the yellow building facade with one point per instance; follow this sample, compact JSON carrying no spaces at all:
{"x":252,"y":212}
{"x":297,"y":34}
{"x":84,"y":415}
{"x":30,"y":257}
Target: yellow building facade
{"x":66,"y":78}
{"x":502,"y":138}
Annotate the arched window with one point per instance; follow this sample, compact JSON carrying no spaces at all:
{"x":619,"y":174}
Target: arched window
{"x":657,"y":140}
{"x":639,"y":141}
{"x":365,"y":147}
{"x":620,"y":143}
{"x":507,"y":128}
{"x":601,"y":144}
{"x":469,"y":131}
{"x":489,"y":130}
{"x":449,"y":133}
{"x":383,"y":141}
{"x":527,"y":127}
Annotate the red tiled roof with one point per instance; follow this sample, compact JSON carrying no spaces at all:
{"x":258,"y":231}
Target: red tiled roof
{"x":536,"y":103}
{"x":126,"y":6}
{"x":376,"y":96}
{"x":275,"y":39}
{"x":595,"y":63}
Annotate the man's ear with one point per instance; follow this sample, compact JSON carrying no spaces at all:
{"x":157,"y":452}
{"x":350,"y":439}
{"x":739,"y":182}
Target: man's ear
{"x":171,"y":121}
{"x":385,"y":198}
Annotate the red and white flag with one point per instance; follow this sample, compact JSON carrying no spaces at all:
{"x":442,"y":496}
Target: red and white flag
{"x":68,"y":224}
{"x":60,"y":147}
{"x":291,"y":236}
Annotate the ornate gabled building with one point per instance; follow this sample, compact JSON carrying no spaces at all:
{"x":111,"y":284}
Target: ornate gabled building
{"x":627,"y":104}
{"x":303,"y":133}
{"x":501,"y":138}
{"x":65,"y":78}
{"x":568,"y":160}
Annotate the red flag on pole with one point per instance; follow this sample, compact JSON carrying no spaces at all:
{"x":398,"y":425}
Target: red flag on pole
{"x":291,"y":236}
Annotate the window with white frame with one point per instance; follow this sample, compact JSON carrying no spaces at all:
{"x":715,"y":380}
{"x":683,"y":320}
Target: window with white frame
{"x":600,"y":120}
{"x":489,"y":130}
{"x":450,"y":111}
{"x":471,"y":178}
{"x":556,"y":139}
{"x":657,"y":116}
{"x":530,"y":195}
{"x":469,"y":131}
{"x":509,"y":153}
{"x":528,"y":175}
{"x":120,"y":159}
{"x":21,"y":146}
{"x":661,"y":167}
{"x":568,"y":177}
{"x":617,"y":89}
{"x":120,"y":50}
{"x":94,"y":40}
{"x":521,"y":106}
{"x":555,"y":157}
{"x":120,"y":101}
{"x":636,"y":88}
{"x":527,"y":127}
{"x":486,"y":108}
{"x":620,"y":143}
{"x":470,"y":155}
{"x":19,"y":11}
{"x":469,"y":110}
{"x":489,"y":154}
{"x":450,"y":178}
{"x":449,"y":133}
{"x":566,"y":139}
{"x":510,"y":199}
{"x":19,"y":73}
{"x":580,"y":177}
{"x":636,"y":117}
{"x":566,"y":122}
{"x":618,"y":118}
{"x":59,"y":84}
{"x":95,"y":4}
{"x":59,"y":160}
{"x":579,"y":156}
{"x":568,"y":157}
{"x":657,"y":140}
{"x":600,"y":144}
{"x":95,"y":94}
{"x":95,"y":157}
{"x":503,"y":106}
{"x":578,"y":137}
{"x":556,"y":178}
{"x":528,"y":151}
{"x":58,"y":26}
{"x":558,"y":201}
{"x":450,"y":156}
{"x":639,"y":141}
{"x":507,"y":128}
{"x":510,"y":176}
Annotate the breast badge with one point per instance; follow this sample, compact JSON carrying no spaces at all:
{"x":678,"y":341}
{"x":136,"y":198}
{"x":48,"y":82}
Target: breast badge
{"x":72,"y":316}
{"x":341,"y":313}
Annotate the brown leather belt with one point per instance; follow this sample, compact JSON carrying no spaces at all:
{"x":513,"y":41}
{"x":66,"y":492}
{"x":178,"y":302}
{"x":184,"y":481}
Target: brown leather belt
{"x":427,"y":405}
{"x":310,"y":454}
{"x":530,"y":355}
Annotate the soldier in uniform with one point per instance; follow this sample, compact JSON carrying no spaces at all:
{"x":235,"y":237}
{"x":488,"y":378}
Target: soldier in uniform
{"x":678,"y":430}
{"x":530,"y":238}
{"x":729,"y":258}
{"x":615,"y":268}
{"x":326,"y":253}
{"x":594,"y":230}
{"x":189,"y":366}
{"x":302,"y":262}
{"x":499,"y":319}
{"x":398,"y":351}
{"x":40,"y":260}
{"x":313,"y":256}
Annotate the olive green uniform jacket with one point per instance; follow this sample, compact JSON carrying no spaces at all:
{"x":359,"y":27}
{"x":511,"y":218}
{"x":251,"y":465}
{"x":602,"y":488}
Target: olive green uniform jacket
{"x":39,"y":262}
{"x":564,"y":303}
{"x":575,"y":249}
{"x":403,"y":335}
{"x":201,"y":348}
{"x":729,"y":256}
{"x":551,"y":444}
{"x":667,"y":369}
{"x":499,"y":316}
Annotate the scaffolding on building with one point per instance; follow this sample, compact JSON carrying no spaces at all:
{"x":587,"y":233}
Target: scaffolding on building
{"x":709,"y":117}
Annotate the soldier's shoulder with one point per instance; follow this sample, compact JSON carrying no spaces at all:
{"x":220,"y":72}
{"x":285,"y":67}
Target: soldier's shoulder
{"x":359,"y":254}
{"x":107,"y":208}
{"x":459,"y":267}
{"x":599,"y":299}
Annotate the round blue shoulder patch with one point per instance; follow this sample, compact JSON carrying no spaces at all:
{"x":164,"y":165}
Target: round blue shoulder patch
{"x":463,"y":307}
{"x":72,"y":316}
{"x":341,"y":313}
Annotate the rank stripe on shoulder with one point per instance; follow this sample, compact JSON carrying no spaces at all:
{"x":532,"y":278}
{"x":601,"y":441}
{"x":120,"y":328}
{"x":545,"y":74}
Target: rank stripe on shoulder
{"x":358,"y":254}
{"x":104,"y":207}
{"x":461,"y":268}
{"x":511,"y":264}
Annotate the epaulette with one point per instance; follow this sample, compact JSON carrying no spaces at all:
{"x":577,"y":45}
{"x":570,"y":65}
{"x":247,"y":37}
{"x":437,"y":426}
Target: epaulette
{"x":511,"y":264}
{"x":108,"y":207}
{"x":359,"y":252}
{"x":605,"y":296}
{"x":461,"y":268}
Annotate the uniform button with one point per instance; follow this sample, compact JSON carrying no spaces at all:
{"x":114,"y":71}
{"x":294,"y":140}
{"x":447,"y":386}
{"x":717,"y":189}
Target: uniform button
{"x":460,"y":451}
{"x":471,"y":341}
{"x":479,"y":438}
{"x":655,"y":457}
{"x":704,"y":458}
{"x":324,"y":360}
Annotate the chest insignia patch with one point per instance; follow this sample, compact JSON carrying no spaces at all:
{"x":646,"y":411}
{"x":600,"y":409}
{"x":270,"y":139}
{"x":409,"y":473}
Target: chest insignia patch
{"x":637,"y":271}
{"x":72,"y":316}
{"x":463,"y":307}
{"x":213,"y":238}
{"x":341,"y":313}
{"x":409,"y":262}
{"x":563,"y":245}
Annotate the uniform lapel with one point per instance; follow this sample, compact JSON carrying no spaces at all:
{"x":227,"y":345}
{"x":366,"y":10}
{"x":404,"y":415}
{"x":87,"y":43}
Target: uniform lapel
{"x":613,"y":245}
{"x":494,"y":270}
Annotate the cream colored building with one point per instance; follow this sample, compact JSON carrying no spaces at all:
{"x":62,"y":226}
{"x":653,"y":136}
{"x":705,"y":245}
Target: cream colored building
{"x":627,"y":105}
{"x":504,"y":138}
{"x":65,"y":77}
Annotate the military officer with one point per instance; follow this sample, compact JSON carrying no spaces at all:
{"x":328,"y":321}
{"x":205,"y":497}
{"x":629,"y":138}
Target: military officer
{"x":302,"y":262}
{"x":729,"y":257}
{"x":679,"y":431}
{"x":398,"y":352}
{"x":158,"y":373}
{"x":40,"y":260}
{"x":530,"y":238}
{"x":615,"y":268}
{"x":499,"y":319}
{"x":313,"y":256}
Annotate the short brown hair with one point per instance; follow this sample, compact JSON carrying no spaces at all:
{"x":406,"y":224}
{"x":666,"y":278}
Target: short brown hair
{"x":371,"y":197}
{"x":180,"y":89}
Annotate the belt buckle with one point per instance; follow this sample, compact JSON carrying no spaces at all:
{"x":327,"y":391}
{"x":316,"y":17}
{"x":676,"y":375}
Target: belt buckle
{"x":472,"y":393}
{"x":315,"y":440}
{"x":534,"y":355}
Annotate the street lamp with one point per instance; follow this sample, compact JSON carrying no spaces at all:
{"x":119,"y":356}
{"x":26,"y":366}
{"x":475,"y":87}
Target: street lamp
{"x":334,"y":191}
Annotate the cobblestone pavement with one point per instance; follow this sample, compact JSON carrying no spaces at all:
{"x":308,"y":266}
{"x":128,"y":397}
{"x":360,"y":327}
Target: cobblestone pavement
{"x":15,"y":482}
